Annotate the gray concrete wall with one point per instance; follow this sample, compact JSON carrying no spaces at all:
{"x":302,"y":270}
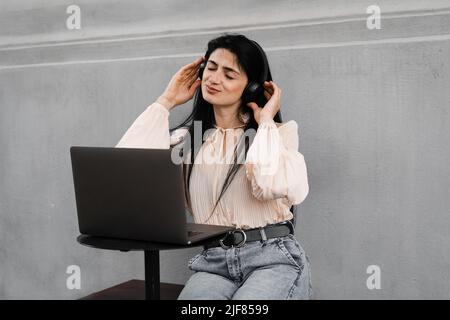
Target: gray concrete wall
{"x":372,"y":108}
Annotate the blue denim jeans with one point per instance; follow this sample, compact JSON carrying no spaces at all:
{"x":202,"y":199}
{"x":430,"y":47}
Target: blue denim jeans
{"x":275,"y":269}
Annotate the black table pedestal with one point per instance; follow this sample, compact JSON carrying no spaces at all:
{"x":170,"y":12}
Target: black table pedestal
{"x":152,"y":281}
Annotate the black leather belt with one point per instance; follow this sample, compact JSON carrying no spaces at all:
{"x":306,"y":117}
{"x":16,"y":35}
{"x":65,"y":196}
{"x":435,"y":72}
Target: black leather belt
{"x":238,"y":237}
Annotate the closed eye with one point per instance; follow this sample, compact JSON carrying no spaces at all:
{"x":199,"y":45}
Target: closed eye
{"x":228,"y":77}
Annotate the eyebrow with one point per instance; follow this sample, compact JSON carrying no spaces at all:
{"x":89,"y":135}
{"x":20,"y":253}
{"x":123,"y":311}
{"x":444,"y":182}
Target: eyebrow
{"x":226,"y":68}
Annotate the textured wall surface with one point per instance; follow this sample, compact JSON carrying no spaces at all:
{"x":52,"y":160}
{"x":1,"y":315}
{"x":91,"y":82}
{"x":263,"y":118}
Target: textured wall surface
{"x":372,"y":108}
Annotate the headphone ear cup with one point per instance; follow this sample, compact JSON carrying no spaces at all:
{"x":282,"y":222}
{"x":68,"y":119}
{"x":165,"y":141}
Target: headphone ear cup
{"x":253,"y":88}
{"x":200,"y":71}
{"x":251,"y":92}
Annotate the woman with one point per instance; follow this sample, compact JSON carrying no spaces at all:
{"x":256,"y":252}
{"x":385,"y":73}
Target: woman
{"x":261,"y":259}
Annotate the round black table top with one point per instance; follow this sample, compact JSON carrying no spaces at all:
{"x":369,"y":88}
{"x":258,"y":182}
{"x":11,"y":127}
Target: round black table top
{"x":131,"y":245}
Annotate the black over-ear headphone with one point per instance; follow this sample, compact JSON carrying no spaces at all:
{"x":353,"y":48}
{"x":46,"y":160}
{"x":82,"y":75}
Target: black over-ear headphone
{"x":253,"y":88}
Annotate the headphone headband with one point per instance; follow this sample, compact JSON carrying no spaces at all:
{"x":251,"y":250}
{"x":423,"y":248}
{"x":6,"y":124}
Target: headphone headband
{"x":265,"y":62}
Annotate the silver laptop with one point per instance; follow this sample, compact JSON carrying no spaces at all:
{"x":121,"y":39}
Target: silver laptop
{"x":135,"y":194}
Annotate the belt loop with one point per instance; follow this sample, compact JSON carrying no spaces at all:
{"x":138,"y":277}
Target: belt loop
{"x":291,"y":226}
{"x":263,"y":235}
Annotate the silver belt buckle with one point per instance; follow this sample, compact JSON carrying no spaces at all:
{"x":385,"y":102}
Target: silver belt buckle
{"x":240,"y":244}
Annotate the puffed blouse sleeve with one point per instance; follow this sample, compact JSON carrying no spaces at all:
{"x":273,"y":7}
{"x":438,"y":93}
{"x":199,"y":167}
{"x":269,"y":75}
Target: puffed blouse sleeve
{"x":274,"y":166}
{"x":151,"y":130}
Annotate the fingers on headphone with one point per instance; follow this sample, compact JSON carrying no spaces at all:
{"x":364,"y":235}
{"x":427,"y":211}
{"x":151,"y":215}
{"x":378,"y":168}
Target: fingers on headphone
{"x":269,"y":91}
{"x":192,"y":66}
{"x":185,"y":75}
{"x":192,"y":73}
{"x":197,"y":61}
{"x":276,"y":89}
{"x":268,"y":87}
{"x":190,"y":81}
{"x":196,"y":70}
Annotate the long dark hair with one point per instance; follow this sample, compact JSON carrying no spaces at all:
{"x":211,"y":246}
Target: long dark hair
{"x":250,"y":60}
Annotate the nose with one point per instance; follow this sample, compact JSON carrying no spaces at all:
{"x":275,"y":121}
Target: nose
{"x":214,"y":78}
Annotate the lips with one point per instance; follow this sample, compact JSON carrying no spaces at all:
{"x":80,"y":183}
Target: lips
{"x":211,"y":89}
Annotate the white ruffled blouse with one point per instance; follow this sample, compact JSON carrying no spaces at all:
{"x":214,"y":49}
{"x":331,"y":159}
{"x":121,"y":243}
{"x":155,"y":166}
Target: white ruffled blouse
{"x":272,"y":179}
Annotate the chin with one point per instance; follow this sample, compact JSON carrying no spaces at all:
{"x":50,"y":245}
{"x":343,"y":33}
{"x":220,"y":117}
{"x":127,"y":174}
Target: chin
{"x":212,"y":99}
{"x":209,"y":98}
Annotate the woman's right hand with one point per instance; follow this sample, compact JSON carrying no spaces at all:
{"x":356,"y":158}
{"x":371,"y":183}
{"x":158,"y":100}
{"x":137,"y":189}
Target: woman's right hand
{"x":182,"y":86}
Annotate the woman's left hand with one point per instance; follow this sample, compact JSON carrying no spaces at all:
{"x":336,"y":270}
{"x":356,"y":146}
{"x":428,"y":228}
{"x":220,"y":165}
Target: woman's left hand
{"x":273,"y":94}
